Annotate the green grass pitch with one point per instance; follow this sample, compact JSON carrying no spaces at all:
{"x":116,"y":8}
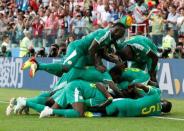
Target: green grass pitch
{"x":33,"y":123}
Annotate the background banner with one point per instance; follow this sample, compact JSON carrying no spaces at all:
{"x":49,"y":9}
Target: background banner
{"x":170,"y":76}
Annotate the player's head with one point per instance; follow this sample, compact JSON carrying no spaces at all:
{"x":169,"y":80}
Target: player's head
{"x":125,"y":53}
{"x":166,"y":106}
{"x":116,"y":71}
{"x":117,"y":31}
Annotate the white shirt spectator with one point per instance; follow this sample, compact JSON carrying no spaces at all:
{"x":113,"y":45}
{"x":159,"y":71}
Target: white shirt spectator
{"x":105,"y":17}
{"x":173,"y":18}
{"x":180,"y":24}
{"x":78,"y":25}
{"x":45,"y":2}
{"x":138,"y":12}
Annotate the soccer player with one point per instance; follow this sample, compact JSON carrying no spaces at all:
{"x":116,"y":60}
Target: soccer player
{"x":128,"y":77}
{"x":142,"y":52}
{"x":74,"y":94}
{"x":80,"y":50}
{"x":149,"y":105}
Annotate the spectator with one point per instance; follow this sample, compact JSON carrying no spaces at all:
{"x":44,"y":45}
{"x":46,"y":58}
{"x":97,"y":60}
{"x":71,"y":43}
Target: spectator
{"x":105,"y":17}
{"x":180,"y":22}
{"x":78,"y":26}
{"x":4,"y":52}
{"x":114,"y":11}
{"x":54,"y":49}
{"x":169,"y":42}
{"x":121,"y":11}
{"x":172,"y":20}
{"x":25,"y":44}
{"x":157,"y":27}
{"x":62,"y":25}
{"x":31,"y":52}
{"x":62,"y":50}
{"x":88,"y":20}
{"x":51,"y":27}
{"x":38,"y":26}
{"x":41,"y":53}
{"x":6,"y":42}
{"x":45,"y":3}
{"x":19,"y":29}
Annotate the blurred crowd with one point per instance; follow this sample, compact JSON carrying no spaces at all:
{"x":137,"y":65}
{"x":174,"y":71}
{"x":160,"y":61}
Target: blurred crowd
{"x":44,"y":28}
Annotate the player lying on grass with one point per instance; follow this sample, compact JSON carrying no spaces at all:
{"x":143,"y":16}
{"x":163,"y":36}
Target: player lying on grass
{"x":88,"y":74}
{"x":149,"y":105}
{"x":142,"y":52}
{"x":80,"y":51}
{"x":78,"y":94}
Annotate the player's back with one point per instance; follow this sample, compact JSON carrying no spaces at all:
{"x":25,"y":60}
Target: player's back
{"x":130,"y":74}
{"x":148,"y":105}
{"x":98,"y":35}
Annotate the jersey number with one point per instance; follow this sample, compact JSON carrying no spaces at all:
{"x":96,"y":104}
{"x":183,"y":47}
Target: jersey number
{"x":150,"y":109}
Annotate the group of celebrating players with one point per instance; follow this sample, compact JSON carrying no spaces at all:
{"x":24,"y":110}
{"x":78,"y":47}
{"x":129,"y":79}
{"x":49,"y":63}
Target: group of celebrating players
{"x":87,"y":87}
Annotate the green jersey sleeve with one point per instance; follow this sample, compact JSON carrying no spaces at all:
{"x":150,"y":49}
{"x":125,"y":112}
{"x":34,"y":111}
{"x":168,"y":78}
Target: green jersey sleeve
{"x":103,"y":37}
{"x":140,"y":48}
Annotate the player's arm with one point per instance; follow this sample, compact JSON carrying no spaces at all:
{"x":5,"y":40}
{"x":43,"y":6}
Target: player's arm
{"x":154,"y":59}
{"x":95,"y":57}
{"x":115,"y":89}
{"x":143,"y":87}
{"x":112,"y":58}
{"x":104,"y":91}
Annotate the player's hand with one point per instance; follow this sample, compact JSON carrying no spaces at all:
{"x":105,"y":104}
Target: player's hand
{"x":106,"y":103}
{"x":101,"y":68}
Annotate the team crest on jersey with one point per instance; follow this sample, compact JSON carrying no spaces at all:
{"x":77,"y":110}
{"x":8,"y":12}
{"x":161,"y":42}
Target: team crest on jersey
{"x":70,"y":62}
{"x":93,"y":85}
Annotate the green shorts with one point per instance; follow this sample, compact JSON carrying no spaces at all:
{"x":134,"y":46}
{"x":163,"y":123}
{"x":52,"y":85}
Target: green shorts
{"x":97,"y":100}
{"x":75,"y":95}
{"x":60,"y":98}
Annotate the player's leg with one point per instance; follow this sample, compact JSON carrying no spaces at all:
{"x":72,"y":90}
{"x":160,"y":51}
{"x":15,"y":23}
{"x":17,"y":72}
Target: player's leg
{"x":77,"y":111}
{"x":41,"y":99}
{"x":52,"y":68}
{"x":22,"y":102}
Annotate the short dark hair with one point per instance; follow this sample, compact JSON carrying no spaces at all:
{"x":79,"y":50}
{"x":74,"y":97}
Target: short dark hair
{"x":5,"y":37}
{"x":173,"y":6}
{"x":117,"y":69}
{"x":169,"y":29}
{"x":166,"y":106}
{"x":182,"y":8}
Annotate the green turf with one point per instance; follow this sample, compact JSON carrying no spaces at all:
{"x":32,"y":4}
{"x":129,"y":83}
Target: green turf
{"x":33,"y":123}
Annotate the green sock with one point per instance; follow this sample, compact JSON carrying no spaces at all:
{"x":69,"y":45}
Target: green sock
{"x":66,"y":112}
{"x":53,"y":68}
{"x":36,"y":107}
{"x":37,"y":100}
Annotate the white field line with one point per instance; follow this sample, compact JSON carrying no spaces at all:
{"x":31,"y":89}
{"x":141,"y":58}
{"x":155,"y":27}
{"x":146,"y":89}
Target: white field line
{"x":4,"y":102}
{"x":169,"y":118}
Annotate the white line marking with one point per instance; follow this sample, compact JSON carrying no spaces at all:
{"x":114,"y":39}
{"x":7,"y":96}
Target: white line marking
{"x":4,"y":102}
{"x":169,"y":118}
